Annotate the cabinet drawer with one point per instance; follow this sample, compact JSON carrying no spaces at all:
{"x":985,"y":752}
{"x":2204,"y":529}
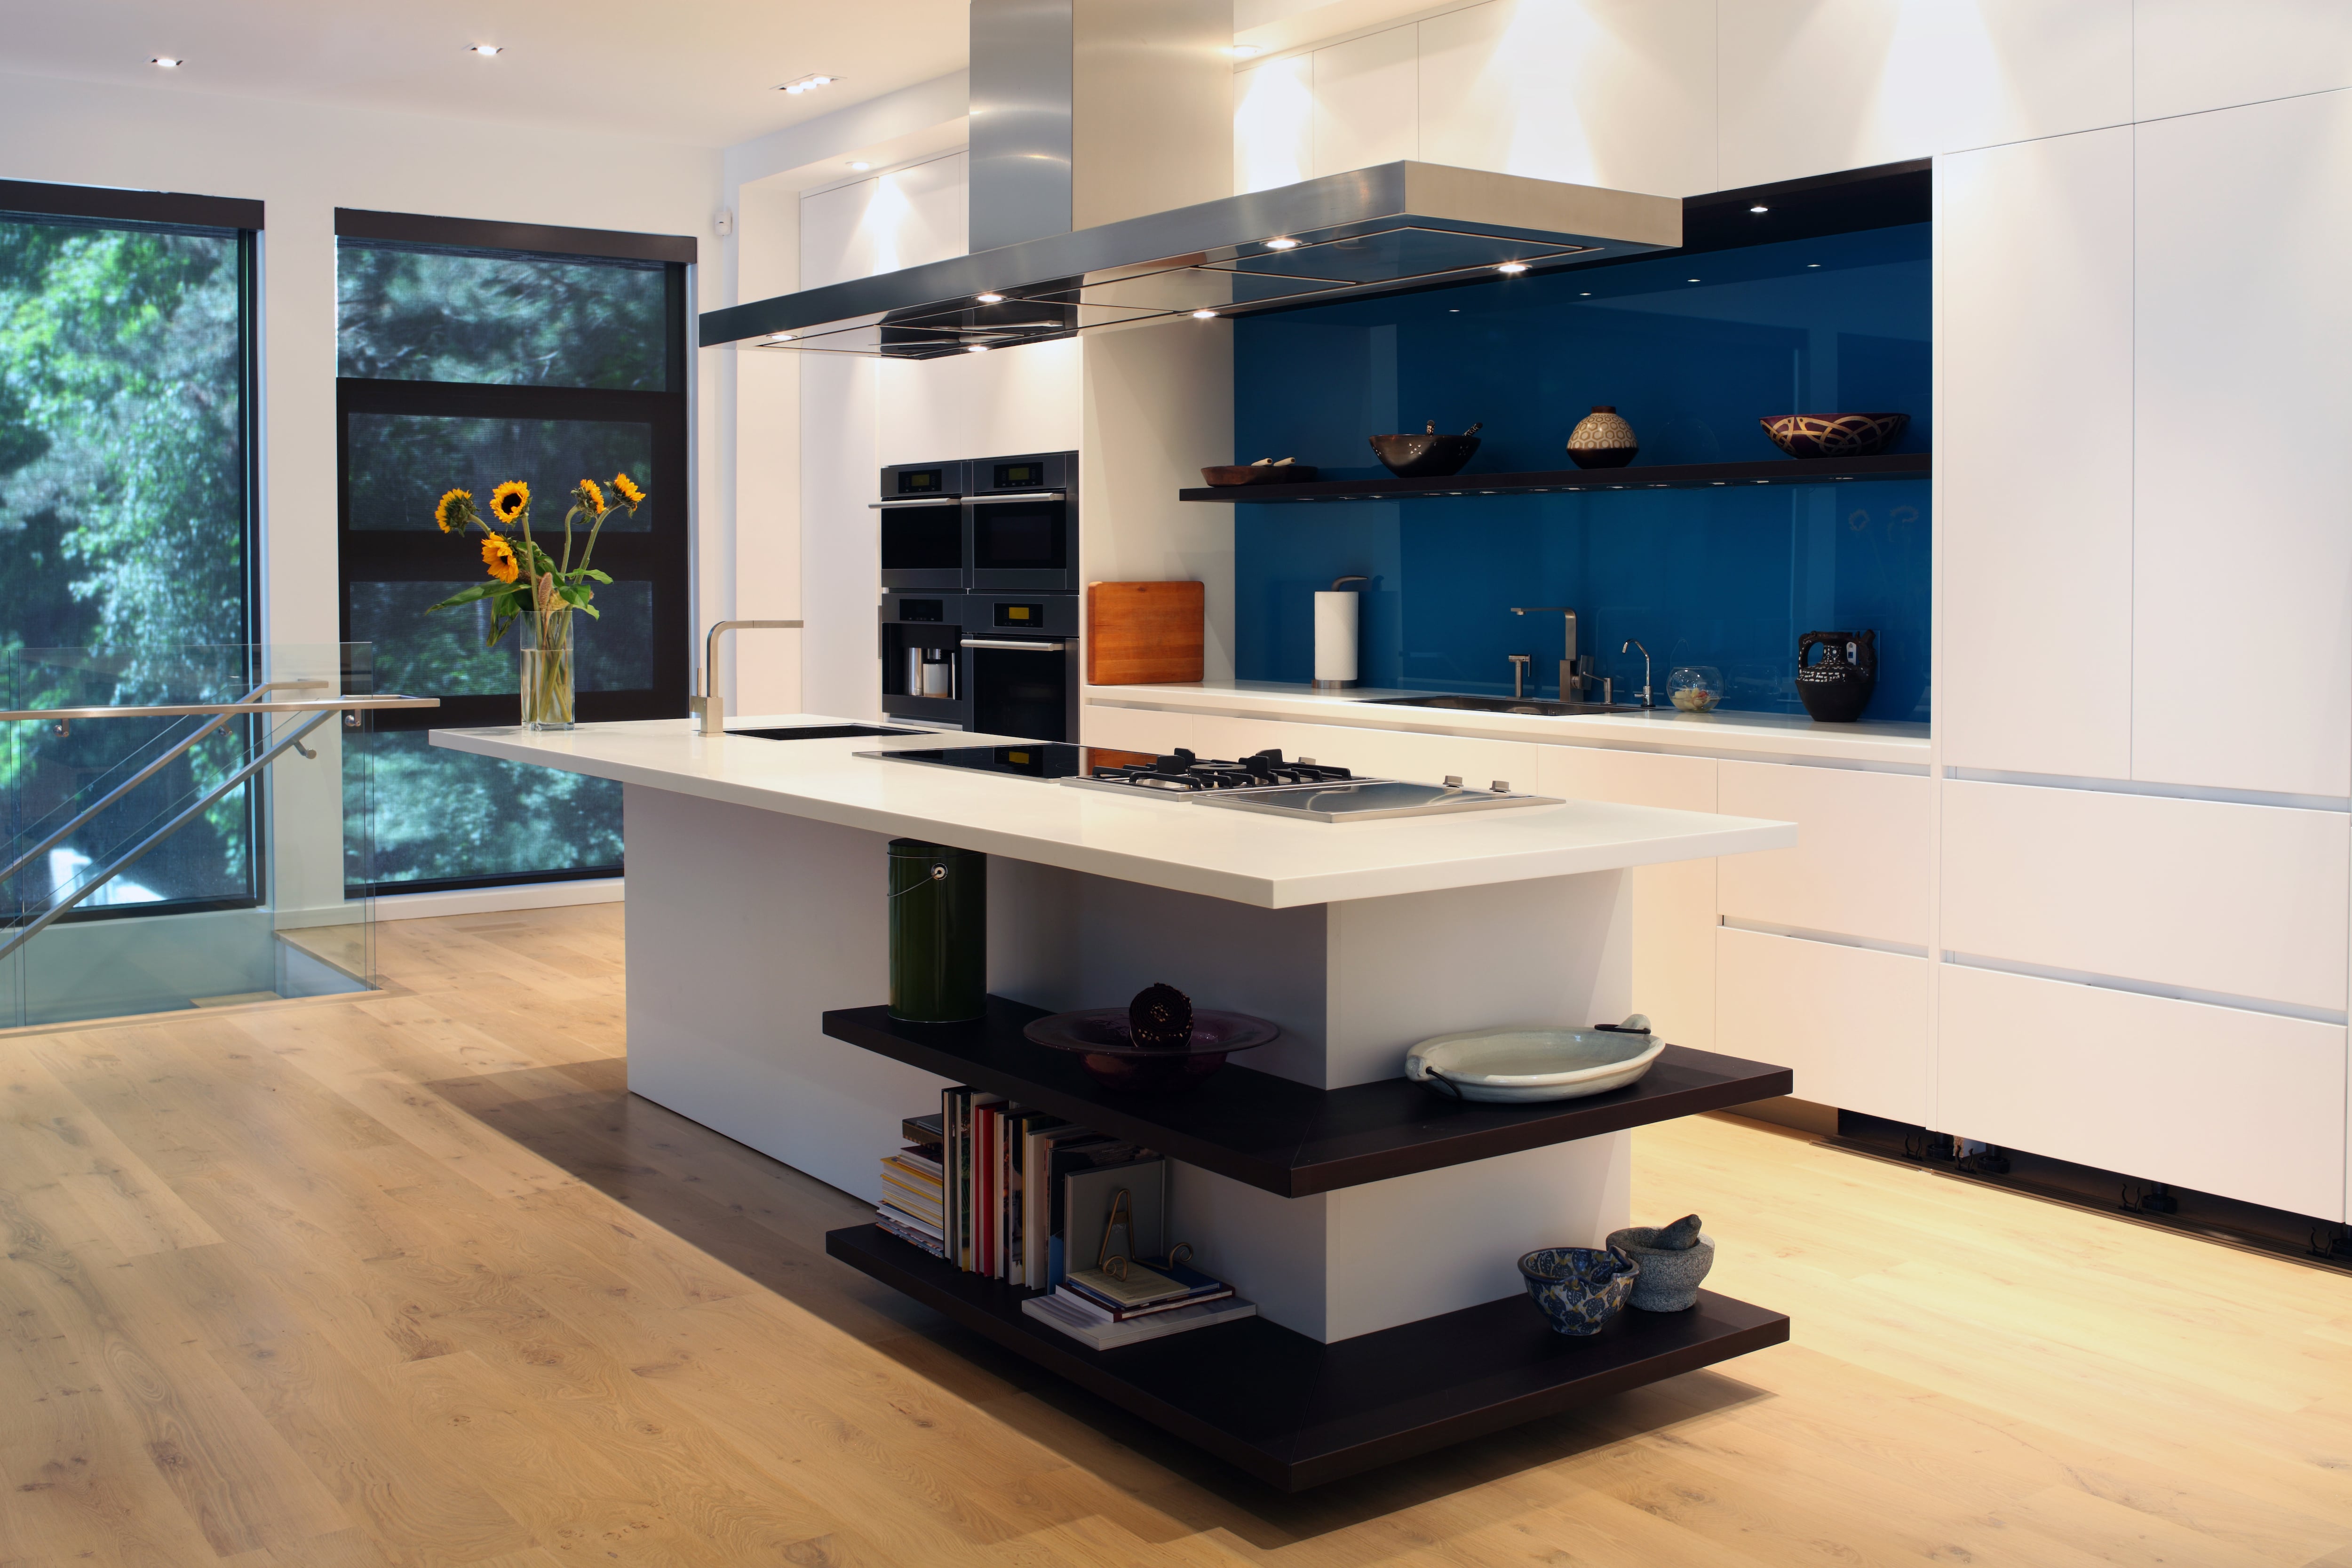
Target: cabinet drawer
{"x":1860,"y":866}
{"x":2243,"y":900}
{"x":1851,"y":1022}
{"x":2243,"y":1104}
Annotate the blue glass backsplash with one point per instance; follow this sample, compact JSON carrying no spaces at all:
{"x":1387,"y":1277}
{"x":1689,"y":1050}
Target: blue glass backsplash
{"x":1726,"y":577}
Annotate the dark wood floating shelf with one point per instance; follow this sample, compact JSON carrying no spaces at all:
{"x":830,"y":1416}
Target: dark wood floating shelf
{"x":1291,"y":1138}
{"x":1657,"y":477}
{"x":1297,"y":1413}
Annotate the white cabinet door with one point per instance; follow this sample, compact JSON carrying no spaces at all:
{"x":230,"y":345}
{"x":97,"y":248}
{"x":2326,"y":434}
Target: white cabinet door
{"x":2243,"y":1104}
{"x":1674,"y":905}
{"x":2241,"y":667}
{"x":1851,"y":1023}
{"x":2196,"y":895}
{"x":2194,"y":55}
{"x":2033,"y":289}
{"x":1860,"y":866}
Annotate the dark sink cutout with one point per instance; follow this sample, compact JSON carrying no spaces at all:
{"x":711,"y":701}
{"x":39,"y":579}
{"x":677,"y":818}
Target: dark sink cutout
{"x":823,"y":733}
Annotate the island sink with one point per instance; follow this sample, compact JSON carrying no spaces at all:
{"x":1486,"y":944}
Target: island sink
{"x":1504,"y":704}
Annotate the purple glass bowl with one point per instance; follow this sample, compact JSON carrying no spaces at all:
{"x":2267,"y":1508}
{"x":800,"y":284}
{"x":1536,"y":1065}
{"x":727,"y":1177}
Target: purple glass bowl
{"x":1100,"y":1039}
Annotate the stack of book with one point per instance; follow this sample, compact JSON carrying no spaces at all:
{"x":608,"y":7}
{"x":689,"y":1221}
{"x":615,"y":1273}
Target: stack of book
{"x":1000,"y":1190}
{"x":1147,"y":1301}
{"x":914,"y":1188}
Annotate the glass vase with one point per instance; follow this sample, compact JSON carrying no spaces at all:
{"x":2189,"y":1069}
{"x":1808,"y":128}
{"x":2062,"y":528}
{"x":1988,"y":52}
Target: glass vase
{"x":547,"y":670}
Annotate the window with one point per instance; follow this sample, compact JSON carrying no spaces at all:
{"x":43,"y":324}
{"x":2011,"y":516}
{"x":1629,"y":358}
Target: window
{"x":472,"y":354}
{"x":127,"y":532}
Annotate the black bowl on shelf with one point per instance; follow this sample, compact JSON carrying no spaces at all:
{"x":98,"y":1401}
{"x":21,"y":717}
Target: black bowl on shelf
{"x":1425,"y":457}
{"x":1100,"y":1039}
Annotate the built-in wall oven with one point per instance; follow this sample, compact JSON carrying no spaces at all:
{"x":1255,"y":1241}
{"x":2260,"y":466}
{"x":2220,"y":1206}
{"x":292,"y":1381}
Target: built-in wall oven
{"x":923,"y":528}
{"x":989,"y":641}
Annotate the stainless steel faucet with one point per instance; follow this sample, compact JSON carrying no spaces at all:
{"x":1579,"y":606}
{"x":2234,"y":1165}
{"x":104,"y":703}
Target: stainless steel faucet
{"x":1631,"y":644}
{"x":1572,"y":670}
{"x":706,"y":704}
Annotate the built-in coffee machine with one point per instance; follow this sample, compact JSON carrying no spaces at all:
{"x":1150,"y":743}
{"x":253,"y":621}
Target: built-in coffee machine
{"x":980,"y":594}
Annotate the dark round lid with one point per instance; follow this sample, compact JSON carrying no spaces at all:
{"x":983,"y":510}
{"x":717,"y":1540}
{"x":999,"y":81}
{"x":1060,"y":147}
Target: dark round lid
{"x":1604,"y":408}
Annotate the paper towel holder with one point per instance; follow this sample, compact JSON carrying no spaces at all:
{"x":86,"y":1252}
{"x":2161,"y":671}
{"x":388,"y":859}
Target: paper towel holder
{"x":1335,"y":644}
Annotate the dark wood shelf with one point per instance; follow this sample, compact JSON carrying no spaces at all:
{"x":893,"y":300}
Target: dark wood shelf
{"x":1297,"y":1413}
{"x":1291,"y":1138}
{"x":1657,"y":477}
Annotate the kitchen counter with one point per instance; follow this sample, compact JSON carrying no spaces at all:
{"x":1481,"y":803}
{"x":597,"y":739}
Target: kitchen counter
{"x":1722,"y":734}
{"x":1240,"y":857}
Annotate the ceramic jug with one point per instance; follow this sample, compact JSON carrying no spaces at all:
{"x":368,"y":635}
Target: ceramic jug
{"x":1837,"y":689}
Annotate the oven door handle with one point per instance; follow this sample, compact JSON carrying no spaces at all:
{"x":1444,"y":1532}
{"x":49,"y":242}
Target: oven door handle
{"x":1010,"y":646}
{"x":915,"y":500}
{"x":1024,"y":495}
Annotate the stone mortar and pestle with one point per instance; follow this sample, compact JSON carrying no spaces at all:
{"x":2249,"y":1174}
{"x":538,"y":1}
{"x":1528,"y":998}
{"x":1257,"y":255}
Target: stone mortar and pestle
{"x":1674,"y":1258}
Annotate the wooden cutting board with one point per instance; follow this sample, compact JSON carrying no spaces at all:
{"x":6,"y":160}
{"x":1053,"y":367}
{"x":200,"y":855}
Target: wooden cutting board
{"x":1143,"y":634}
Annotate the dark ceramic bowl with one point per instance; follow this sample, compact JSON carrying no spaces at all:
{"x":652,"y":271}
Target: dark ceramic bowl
{"x":1834,"y":435}
{"x":1580,"y":1288}
{"x":1098,"y":1037}
{"x":1251,"y":474}
{"x":1425,"y":457}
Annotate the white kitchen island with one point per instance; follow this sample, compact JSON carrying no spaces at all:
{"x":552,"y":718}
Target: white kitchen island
{"x":1353,"y":1207}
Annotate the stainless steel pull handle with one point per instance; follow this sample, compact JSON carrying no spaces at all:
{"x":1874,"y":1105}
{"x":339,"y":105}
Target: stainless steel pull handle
{"x":1024,"y":495}
{"x":1009,"y":646}
{"x":915,"y":500}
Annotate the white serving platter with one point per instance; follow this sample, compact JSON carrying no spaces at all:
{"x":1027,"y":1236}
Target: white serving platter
{"x":1535,"y":1061}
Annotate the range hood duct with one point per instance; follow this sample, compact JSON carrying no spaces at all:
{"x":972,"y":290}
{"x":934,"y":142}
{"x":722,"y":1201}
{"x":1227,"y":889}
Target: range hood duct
{"x":1090,"y":117}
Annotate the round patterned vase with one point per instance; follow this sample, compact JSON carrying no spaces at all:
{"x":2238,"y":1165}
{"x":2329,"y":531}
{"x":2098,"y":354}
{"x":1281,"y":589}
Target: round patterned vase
{"x":1602,"y":439}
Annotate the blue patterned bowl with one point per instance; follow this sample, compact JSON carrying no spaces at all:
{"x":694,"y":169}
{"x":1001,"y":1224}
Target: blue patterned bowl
{"x":1580,"y":1288}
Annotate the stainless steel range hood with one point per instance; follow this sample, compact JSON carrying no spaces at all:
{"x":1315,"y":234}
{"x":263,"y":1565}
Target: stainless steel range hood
{"x":1086,"y":107}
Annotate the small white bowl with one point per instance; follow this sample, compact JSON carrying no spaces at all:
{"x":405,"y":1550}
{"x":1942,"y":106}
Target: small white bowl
{"x":1534,"y":1061}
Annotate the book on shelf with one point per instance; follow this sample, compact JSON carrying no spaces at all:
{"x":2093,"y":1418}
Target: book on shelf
{"x":1092,"y":1307}
{"x":924,"y":1130}
{"x":912,"y":1231}
{"x":1057,"y":1311}
{"x":1149,"y":1285}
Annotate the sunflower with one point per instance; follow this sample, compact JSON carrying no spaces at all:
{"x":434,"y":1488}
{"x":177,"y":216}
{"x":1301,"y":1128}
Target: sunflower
{"x":511,"y":500}
{"x":455,"y":512}
{"x":626,"y":488}
{"x":499,"y":557}
{"x":591,"y":497}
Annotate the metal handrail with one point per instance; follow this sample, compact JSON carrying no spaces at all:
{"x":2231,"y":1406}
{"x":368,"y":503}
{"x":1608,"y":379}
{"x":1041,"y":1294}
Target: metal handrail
{"x":277,"y":749}
{"x":143,"y":774}
{"x":190,"y":710}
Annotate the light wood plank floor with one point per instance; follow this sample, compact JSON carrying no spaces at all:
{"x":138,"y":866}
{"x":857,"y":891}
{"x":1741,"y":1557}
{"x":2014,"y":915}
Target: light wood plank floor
{"x":410,"y":1279}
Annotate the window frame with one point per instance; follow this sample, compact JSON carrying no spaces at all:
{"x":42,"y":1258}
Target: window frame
{"x":661,"y":554}
{"x":242,"y":220}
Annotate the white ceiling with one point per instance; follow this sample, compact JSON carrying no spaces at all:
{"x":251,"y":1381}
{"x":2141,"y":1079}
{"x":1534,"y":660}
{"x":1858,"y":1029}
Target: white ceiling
{"x":700,"y":71}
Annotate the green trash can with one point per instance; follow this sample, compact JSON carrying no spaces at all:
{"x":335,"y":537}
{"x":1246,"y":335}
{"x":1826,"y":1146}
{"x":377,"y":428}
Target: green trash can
{"x":939,"y":932}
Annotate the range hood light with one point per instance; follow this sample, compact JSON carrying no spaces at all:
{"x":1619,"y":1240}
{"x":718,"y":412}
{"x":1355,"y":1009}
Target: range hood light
{"x":990,"y":299}
{"x":1204,"y":315}
{"x":1282,"y":245}
{"x":1512,"y":268}
{"x":1759,"y":207}
{"x":808,"y":83}
{"x":975,"y":348}
{"x":780,"y":337}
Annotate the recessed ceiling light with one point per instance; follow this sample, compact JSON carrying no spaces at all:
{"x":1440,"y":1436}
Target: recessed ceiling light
{"x":1282,"y":245}
{"x":810,"y":83}
{"x":1246,"y":51}
{"x":169,"y":62}
{"x":485,"y":48}
{"x":1204,"y":315}
{"x":990,"y":299}
{"x":860,"y":165}
{"x":975,"y":348}
{"x":1511,"y":268}
{"x":780,"y":337}
{"x":1759,"y":207}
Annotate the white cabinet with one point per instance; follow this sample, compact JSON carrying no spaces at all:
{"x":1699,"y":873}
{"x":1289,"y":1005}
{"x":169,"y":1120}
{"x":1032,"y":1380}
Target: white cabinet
{"x":2242,"y":580}
{"x":1851,"y":1023}
{"x":1860,"y":866}
{"x":1674,"y":905}
{"x":2194,"y":55}
{"x":2214,"y":1099}
{"x":2034,"y":290}
{"x":2196,"y":895}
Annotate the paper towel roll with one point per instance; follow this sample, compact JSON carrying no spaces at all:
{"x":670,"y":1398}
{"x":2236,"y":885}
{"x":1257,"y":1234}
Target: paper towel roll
{"x":1335,"y":638}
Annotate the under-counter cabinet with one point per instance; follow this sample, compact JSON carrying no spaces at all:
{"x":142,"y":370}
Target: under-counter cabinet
{"x":1859,"y":865}
{"x":1852,"y":1022}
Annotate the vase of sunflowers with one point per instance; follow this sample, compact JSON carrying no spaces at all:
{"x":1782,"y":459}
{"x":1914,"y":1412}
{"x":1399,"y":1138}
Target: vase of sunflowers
{"x":527,"y":583}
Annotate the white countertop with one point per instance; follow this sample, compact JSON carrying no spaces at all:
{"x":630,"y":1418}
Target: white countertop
{"x":1666,"y":728}
{"x":1245,"y":857}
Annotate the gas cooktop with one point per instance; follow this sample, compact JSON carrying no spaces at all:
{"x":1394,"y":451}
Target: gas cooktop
{"x":1266,"y":780}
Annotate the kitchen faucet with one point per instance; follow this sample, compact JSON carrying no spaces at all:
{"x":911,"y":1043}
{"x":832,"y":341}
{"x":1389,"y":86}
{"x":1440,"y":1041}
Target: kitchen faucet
{"x":1631,"y":644}
{"x":707,"y":705}
{"x":1571,"y":668}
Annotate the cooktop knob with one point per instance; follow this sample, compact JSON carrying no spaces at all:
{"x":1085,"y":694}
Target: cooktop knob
{"x":1453,"y":781}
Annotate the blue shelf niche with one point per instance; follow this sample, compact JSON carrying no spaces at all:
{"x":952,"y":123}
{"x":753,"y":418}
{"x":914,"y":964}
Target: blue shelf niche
{"x":1722,"y":576}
